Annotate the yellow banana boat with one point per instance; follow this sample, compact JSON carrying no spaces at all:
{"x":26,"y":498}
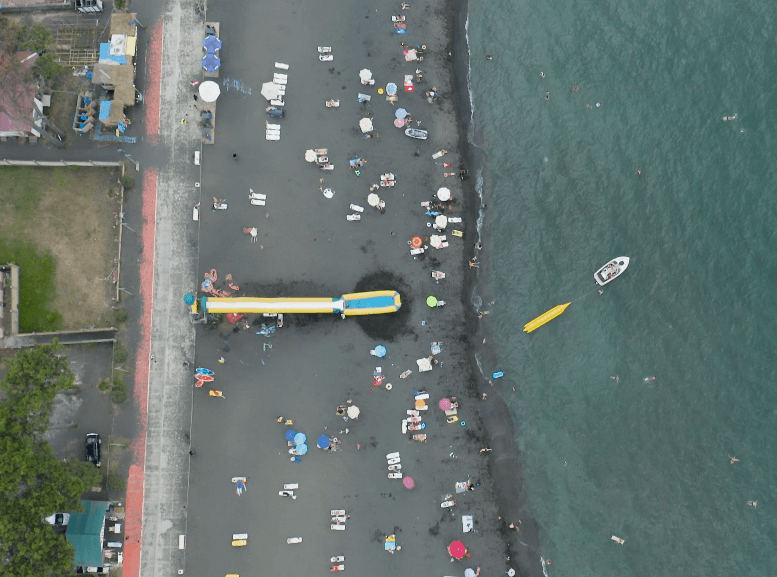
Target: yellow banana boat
{"x":545,"y":318}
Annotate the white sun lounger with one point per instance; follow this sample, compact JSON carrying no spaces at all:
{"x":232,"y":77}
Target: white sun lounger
{"x":393,"y":455}
{"x":353,"y":217}
{"x":281,"y":66}
{"x":290,"y":486}
{"x":337,"y":512}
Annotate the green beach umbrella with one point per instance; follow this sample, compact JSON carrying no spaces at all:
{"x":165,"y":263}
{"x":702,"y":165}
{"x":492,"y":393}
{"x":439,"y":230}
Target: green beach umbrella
{"x":431,"y":301}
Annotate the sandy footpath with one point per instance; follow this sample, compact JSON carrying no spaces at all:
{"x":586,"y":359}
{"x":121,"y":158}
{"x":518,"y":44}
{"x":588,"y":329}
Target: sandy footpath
{"x":306,"y":247}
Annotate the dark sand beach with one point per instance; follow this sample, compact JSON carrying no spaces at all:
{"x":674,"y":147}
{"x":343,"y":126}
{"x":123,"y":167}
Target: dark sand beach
{"x":307,"y":248}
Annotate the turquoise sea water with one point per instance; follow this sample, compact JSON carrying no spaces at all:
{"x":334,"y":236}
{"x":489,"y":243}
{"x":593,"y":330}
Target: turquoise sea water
{"x":646,"y":461}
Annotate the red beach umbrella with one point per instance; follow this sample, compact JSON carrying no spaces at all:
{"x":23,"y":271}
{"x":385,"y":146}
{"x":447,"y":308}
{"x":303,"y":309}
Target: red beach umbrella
{"x":445,"y":404}
{"x":408,"y":482}
{"x":457,"y":550}
{"x":416,"y":242}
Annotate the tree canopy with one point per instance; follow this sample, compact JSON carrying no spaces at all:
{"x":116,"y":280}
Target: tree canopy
{"x":33,"y":483}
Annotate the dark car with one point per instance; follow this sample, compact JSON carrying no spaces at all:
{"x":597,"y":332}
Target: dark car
{"x":92,"y":452}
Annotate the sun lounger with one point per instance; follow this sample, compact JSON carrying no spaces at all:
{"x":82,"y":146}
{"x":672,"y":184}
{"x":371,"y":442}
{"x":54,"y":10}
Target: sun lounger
{"x":467,"y":524}
{"x":395,"y":475}
{"x":281,"y":66}
{"x":393,"y":455}
{"x":336,"y":527}
{"x":357,"y":208}
{"x":457,"y":233}
{"x":290,"y":486}
{"x":336,"y":512}
{"x":454,"y":219}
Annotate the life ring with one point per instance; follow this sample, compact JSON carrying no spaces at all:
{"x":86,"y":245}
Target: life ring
{"x":389,"y":386}
{"x":423,"y":46}
{"x":464,"y":423}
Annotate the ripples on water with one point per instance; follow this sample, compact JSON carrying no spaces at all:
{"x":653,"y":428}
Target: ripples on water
{"x":645,"y":461}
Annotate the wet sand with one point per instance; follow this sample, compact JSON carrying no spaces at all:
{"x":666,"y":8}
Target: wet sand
{"x":306,"y":247}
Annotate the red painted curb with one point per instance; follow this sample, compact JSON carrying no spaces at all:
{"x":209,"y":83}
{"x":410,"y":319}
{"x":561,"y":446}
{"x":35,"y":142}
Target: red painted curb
{"x":137,"y":476}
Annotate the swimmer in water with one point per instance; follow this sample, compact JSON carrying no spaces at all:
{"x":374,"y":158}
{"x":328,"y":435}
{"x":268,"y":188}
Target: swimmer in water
{"x":616,"y":378}
{"x":489,"y":57}
{"x":575,"y":88}
{"x":547,"y":95}
{"x":753,"y":503}
{"x":648,"y":379}
{"x":542,"y":74}
{"x":733,"y":459}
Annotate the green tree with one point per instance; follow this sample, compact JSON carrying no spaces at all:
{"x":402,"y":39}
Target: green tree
{"x":33,"y":483}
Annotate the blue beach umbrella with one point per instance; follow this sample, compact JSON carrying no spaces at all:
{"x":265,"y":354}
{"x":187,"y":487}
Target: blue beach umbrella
{"x":380,"y":351}
{"x":400,"y":113}
{"x":323,"y":442}
{"x":300,"y":438}
{"x":211,"y":62}
{"x":290,"y":433}
{"x":211,"y":43}
{"x":391,"y":89}
{"x":302,"y":449}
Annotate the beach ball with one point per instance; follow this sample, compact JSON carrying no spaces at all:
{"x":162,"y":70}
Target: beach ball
{"x":431,"y":301}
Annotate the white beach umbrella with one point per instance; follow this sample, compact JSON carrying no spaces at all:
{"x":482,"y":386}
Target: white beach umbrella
{"x":366,"y":125}
{"x":444,"y":194}
{"x":441,"y":221}
{"x":435,"y":240}
{"x":310,"y":155}
{"x":365,"y":75}
{"x":353,"y":412}
{"x":270,"y":90}
{"x":209,"y":91}
{"x":424,"y":365}
{"x":373,"y":199}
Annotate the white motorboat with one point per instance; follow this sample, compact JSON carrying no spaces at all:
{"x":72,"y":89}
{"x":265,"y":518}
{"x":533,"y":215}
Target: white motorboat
{"x":611,"y":270}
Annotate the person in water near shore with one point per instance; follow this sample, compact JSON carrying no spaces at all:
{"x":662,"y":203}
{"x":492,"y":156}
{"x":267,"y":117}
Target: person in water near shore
{"x":616,"y":378}
{"x":485,"y":450}
{"x":648,"y":379}
{"x":473,"y":263}
{"x":733,"y":459}
{"x":488,"y":57}
{"x":575,"y":88}
{"x":753,"y":503}
{"x":547,"y":95}
{"x":542,"y":75}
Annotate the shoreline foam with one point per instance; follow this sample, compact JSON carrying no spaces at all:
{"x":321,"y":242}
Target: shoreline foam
{"x":507,"y":467}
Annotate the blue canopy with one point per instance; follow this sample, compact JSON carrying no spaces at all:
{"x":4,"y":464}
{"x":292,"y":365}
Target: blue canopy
{"x":211,"y":62}
{"x":211,"y":43}
{"x":323,"y":442}
{"x":105,"y":110}
{"x":300,"y":438}
{"x":290,"y":434}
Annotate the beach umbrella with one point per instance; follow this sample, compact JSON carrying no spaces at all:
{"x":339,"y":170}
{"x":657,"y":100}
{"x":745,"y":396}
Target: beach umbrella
{"x":310,"y":155}
{"x":211,"y":43}
{"x":457,"y":550}
{"x":290,"y":434}
{"x":408,"y":482}
{"x":211,"y":62}
{"x":441,"y":221}
{"x":445,"y":404}
{"x":469,"y":572}
{"x":373,"y":199}
{"x":300,"y":438}
{"x":270,"y":90}
{"x":420,"y":404}
{"x":399,"y":123}
{"x":301,"y":449}
{"x":400,"y":113}
{"x":353,"y":412}
{"x":416,"y":242}
{"x":431,"y":301}
{"x":436,"y":241}
{"x":209,"y":91}
{"x":366,"y":125}
{"x":380,"y":351}
{"x":323,"y":442}
{"x":365,"y":75}
{"x":411,"y":55}
{"x":391,"y":89}
{"x":444,"y":194}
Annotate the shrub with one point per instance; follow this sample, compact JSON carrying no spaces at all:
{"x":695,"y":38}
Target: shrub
{"x":120,"y":4}
{"x":118,"y":392}
{"x":119,"y":353}
{"x":127,"y":181}
{"x":115,"y":482}
{"x":120,"y":315}
{"x":104,"y":385}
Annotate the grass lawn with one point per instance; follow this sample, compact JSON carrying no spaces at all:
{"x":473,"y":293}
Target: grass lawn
{"x":59,"y":226}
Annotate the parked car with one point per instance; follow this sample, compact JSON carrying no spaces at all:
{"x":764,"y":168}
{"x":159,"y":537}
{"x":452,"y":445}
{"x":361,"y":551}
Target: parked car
{"x":58,"y":519}
{"x":92,"y":451}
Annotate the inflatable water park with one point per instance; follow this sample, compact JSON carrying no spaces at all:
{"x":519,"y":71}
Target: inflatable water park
{"x":352,"y":304}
